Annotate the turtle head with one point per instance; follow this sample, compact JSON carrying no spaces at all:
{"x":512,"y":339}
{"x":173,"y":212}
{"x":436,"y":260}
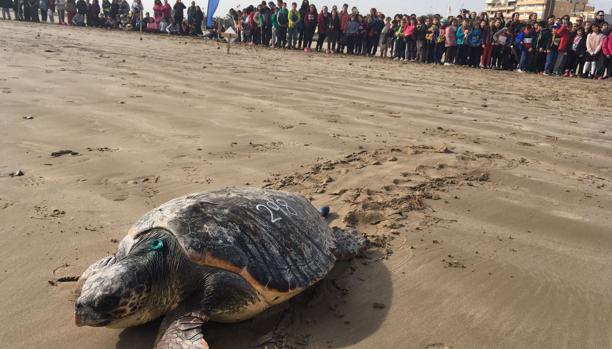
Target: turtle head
{"x":133,"y":287}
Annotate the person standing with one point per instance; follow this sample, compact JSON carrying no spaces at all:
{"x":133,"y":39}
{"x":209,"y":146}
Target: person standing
{"x":294,"y":19}
{"x":158,"y":13}
{"x":304,"y":8}
{"x":51,"y":11}
{"x":352,"y":30}
{"x":420,"y":33}
{"x":93,"y":14}
{"x":178,"y":8}
{"x":310,"y":25}
{"x":6,"y":9}
{"x":71,"y":10}
{"x":474,"y":40}
{"x":265,"y":21}
{"x":33,"y":5}
{"x":322,"y":24}
{"x":43,"y":6}
{"x":451,"y":42}
{"x":593,"y":46}
{"x":274,"y":20}
{"x":60,"y":6}
{"x":576,"y":53}
{"x":409,"y":39}
{"x":331,"y":32}
{"x":191,"y":14}
{"x":81,"y":9}
{"x":400,"y":44}
{"x":487,"y":40}
{"x":541,"y":45}
{"x":282,"y":17}
{"x":606,"y":49}
{"x":563,"y":33}
{"x":199,"y":21}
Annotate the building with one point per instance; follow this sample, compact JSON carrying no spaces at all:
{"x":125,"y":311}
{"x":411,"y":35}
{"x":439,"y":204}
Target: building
{"x":543,"y":8}
{"x":506,"y":7}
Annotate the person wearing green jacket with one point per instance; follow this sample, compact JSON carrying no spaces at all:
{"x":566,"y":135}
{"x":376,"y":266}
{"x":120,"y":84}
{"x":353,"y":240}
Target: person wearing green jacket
{"x":294,"y":18}
{"x":282,"y":17}
{"x":274,"y":20}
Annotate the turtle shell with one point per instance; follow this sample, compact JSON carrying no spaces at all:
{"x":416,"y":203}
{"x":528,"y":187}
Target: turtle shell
{"x":277,"y":241}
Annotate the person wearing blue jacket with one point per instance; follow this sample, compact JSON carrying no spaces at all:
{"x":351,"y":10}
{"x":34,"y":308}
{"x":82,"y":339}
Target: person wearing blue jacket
{"x":462,"y":47}
{"x":474,"y":40}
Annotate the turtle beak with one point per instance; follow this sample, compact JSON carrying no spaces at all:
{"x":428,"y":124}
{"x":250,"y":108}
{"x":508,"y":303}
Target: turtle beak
{"x":85,"y":316}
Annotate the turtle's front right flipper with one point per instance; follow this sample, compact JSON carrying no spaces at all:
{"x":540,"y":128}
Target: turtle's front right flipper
{"x":349,"y":244}
{"x":182,"y":332}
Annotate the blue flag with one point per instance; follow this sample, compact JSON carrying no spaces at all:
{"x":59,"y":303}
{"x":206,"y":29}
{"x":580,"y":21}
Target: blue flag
{"x":210,"y":12}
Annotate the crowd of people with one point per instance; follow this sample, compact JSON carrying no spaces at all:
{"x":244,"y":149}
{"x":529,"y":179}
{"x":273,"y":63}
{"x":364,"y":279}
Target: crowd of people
{"x":550,"y":46}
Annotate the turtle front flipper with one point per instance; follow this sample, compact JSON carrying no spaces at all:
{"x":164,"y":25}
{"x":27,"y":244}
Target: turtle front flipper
{"x":348,"y":244}
{"x":182,"y":332}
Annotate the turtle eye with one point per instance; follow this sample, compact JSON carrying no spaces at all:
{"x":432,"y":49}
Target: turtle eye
{"x":156,"y":245}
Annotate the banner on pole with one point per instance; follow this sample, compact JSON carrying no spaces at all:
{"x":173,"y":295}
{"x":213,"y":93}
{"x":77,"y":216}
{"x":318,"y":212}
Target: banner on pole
{"x":210,"y":12}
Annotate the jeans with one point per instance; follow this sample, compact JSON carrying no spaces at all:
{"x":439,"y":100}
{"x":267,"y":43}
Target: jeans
{"x":451,"y":52}
{"x":400,"y":48}
{"x":551,"y":58}
{"x":332,"y":40}
{"x":373,"y":45}
{"x":462,"y":52}
{"x":281,"y":34}
{"x":420,"y":51}
{"x":320,"y":41}
{"x":525,"y":58}
{"x":410,"y":48}
{"x":438,"y":52}
{"x":293,"y":33}
{"x":474,"y":56}
{"x":560,"y":63}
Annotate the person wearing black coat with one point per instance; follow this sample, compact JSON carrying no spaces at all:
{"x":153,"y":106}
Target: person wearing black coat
{"x":542,"y":43}
{"x":178,"y":8}
{"x":32,"y":5}
{"x":199,"y":19}
{"x":93,"y":14}
{"x":577,"y":52}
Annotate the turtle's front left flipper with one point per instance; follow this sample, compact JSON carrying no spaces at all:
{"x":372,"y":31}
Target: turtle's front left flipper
{"x":182,"y":331}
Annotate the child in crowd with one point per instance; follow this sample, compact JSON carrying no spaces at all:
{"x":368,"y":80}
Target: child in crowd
{"x":474,"y":40}
{"x":593,"y":48}
{"x":385,"y":38}
{"x":576,"y":53}
{"x":450,"y":42}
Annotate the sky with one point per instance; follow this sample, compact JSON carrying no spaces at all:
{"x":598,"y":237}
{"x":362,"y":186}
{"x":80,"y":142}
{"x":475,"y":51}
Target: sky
{"x":389,"y":7}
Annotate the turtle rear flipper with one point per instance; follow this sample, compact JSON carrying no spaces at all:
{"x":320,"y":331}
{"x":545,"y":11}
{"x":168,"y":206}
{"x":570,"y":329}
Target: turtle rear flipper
{"x":348,"y":244}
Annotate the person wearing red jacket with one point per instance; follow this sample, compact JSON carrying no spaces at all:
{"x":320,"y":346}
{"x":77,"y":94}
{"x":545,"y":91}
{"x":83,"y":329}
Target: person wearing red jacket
{"x":563,"y":33}
{"x":322,"y":24}
{"x":344,"y":17}
{"x":606,"y":49}
{"x":410,"y":40}
{"x":310,"y":25}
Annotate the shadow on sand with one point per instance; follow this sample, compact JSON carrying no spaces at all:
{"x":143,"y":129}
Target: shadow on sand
{"x":347,"y":306}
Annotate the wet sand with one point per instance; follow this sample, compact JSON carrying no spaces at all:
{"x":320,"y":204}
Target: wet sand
{"x":487,"y":195}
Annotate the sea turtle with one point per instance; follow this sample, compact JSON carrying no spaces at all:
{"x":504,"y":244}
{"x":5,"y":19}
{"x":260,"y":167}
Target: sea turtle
{"x":223,"y":255}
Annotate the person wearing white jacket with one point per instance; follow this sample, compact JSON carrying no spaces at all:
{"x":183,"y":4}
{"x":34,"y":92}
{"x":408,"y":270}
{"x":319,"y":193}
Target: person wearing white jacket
{"x":593,"y":46}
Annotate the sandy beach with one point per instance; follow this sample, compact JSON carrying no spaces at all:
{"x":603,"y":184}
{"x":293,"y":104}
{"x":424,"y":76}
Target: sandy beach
{"x":487,"y":195}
